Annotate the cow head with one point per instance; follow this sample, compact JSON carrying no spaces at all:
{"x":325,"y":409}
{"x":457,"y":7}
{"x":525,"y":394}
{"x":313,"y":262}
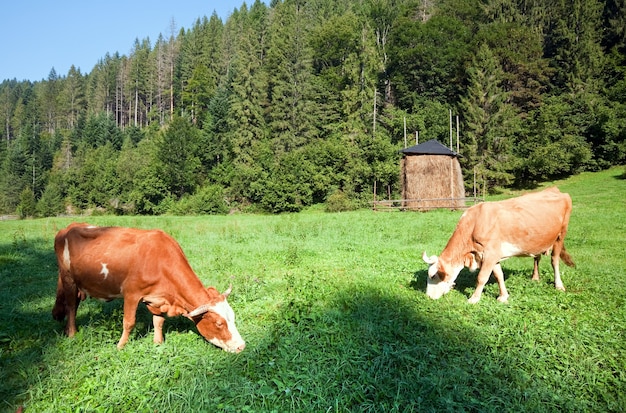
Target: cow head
{"x":441,"y":277}
{"x":216,"y":323}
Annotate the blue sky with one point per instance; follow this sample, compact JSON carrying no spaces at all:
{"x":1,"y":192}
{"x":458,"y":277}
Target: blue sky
{"x":37,"y":35}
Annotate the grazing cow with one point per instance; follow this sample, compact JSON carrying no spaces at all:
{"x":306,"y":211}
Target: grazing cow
{"x":138,"y":265}
{"x":490,"y":232}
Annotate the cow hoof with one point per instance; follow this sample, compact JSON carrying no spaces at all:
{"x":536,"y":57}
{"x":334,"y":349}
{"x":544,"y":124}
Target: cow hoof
{"x":560,"y":288}
{"x":503,"y":299}
{"x":473,"y":300}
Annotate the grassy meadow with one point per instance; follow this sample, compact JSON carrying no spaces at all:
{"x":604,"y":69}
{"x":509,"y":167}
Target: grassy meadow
{"x":334,"y":314}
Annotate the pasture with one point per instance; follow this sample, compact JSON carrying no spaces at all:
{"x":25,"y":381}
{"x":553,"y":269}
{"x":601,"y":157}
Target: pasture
{"x":333,"y":311}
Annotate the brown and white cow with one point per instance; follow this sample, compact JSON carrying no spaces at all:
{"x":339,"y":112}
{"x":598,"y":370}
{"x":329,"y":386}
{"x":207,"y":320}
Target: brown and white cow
{"x":487,"y":233}
{"x":139,"y":266}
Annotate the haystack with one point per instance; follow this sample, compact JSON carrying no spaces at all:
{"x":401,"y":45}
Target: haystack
{"x":431,"y":177}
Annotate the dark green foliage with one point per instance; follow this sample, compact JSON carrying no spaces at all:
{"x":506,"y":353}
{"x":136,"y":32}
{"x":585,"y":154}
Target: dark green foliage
{"x":338,"y":201}
{"x":93,"y":181}
{"x":556,"y":146}
{"x":177,"y":154}
{"x":525,"y":72}
{"x":100,"y":130}
{"x":14,"y":176}
{"x":51,"y":203}
{"x":27,"y":206}
{"x":207,"y":200}
{"x":288,"y":186}
{"x":283,"y":104}
{"x":490,"y":122}
{"x":426,"y":59}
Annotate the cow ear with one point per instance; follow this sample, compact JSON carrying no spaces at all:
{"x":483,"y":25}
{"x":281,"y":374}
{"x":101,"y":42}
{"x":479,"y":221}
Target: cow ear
{"x":469,"y":261}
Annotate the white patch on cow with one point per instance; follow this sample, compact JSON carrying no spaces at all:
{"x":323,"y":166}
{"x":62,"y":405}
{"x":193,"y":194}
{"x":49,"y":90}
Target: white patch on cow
{"x":66,"y":254}
{"x":105,"y":270}
{"x":226,"y":312}
{"x":435,"y":288}
{"x":509,"y":250}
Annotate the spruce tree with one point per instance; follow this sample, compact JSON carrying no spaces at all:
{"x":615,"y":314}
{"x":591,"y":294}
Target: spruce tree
{"x":488,"y":123}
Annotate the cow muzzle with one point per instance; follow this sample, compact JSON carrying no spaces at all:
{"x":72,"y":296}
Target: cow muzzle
{"x":234,"y":345}
{"x":435,"y":287}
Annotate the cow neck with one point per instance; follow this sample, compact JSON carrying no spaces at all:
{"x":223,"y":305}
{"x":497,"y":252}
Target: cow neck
{"x":202,"y":296}
{"x":459,"y":243}
{"x":190,"y":292}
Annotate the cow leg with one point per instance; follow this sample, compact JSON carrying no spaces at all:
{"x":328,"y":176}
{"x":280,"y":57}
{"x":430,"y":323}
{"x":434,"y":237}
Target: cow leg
{"x":72,"y":301}
{"x":504,"y":294}
{"x":130,"y":315}
{"x":59,"y":311}
{"x":483,"y":277}
{"x":556,"y":253}
{"x":158,"y":321}
{"x":536,"y":268}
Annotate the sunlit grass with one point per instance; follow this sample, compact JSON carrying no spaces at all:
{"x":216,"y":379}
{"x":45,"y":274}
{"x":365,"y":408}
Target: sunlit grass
{"x":333,"y":310}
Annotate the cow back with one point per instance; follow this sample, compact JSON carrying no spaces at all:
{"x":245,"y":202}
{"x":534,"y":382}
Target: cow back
{"x":106,"y":261}
{"x":531,"y":223}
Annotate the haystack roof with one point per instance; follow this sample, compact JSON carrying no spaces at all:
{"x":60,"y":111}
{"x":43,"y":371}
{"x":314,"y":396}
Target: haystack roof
{"x":431,"y":147}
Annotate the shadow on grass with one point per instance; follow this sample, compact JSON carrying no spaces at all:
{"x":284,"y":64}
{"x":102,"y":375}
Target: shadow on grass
{"x":370,"y":350}
{"x":94,"y":314}
{"x":621,"y":176}
{"x":27,"y":279}
{"x":464,"y":283}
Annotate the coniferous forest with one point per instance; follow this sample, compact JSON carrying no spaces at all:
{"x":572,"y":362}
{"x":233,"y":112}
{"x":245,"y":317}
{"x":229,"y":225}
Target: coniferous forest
{"x":308,"y":101}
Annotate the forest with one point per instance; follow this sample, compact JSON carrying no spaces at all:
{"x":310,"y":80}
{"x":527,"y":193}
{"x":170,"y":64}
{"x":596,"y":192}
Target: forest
{"x":303,"y":102}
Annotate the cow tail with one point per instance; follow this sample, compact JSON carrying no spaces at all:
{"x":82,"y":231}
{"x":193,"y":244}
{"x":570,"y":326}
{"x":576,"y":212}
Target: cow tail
{"x":567,"y":259}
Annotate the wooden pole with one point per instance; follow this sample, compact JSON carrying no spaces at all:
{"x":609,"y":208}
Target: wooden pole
{"x":457,"y":133}
{"x":451,"y":181}
{"x":405,"y":131}
{"x":374,"y":125}
{"x":374,"y":195}
{"x":450,"y":129}
{"x":474,"y":184}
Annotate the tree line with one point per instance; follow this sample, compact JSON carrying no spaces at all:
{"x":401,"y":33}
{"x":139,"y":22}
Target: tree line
{"x":300,"y":102}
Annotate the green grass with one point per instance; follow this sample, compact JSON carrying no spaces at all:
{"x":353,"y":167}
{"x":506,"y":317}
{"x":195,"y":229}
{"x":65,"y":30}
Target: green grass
{"x":333,"y":310}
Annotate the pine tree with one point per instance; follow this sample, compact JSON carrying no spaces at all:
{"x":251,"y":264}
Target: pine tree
{"x":520,"y":53}
{"x":72,"y":99}
{"x":247,"y":82}
{"x":177,"y":153}
{"x":489,"y":122}
{"x":8,"y":102}
{"x":292,"y":93}
{"x":49,"y":101}
{"x":138,"y":85}
{"x":160,"y":80}
{"x":574,"y":45}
